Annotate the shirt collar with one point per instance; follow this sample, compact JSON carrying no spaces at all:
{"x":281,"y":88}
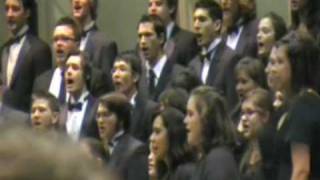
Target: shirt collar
{"x":116,"y":137}
{"x":214,"y":44}
{"x":89,"y":26}
{"x":133,"y":99}
{"x":157,"y":68}
{"x":84,"y":96}
{"x":169,"y":29}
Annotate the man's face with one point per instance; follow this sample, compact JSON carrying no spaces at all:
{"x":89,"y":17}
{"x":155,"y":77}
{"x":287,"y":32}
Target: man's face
{"x":16,"y":15}
{"x":205,"y":28}
{"x":81,"y":9}
{"x":123,"y":77}
{"x":42,"y":117}
{"x":149,"y":43}
{"x":230,"y":9}
{"x":107,"y":123}
{"x":161,"y":9}
{"x":63,"y":42}
{"x":74,"y":75}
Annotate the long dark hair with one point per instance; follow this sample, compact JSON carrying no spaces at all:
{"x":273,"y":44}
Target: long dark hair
{"x":303,"y":54}
{"x":178,"y":153}
{"x":217,"y":126}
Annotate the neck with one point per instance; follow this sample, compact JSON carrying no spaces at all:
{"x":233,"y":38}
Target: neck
{"x":85,"y":21}
{"x":131,"y":92}
{"x":77,"y":94}
{"x":153,"y":62}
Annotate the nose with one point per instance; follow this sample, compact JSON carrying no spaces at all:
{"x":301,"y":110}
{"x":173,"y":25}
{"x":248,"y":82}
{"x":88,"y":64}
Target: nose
{"x":196,"y":25}
{"x":35,"y":115}
{"x":152,"y":138}
{"x":9,"y":12}
{"x":115,"y":74}
{"x":152,"y":9}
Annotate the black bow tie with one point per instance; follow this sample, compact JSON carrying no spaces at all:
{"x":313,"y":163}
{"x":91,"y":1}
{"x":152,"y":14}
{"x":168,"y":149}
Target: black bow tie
{"x":15,"y":39}
{"x":74,"y":106}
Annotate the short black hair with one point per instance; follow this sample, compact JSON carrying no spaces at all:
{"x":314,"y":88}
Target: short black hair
{"x":132,"y":59}
{"x":118,"y":104}
{"x":158,"y":24}
{"x":213,"y":8}
{"x":68,"y":21}
{"x":51,"y":99}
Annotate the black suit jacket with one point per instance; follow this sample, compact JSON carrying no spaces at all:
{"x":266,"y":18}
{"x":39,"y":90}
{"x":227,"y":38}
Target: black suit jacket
{"x":89,"y":127}
{"x":101,"y":55}
{"x":169,"y":71}
{"x":184,"y":46}
{"x":141,"y":117}
{"x":221,"y":72}
{"x":247,"y":44}
{"x":34,"y":58}
{"x":129,"y":159}
{"x":42,"y":82}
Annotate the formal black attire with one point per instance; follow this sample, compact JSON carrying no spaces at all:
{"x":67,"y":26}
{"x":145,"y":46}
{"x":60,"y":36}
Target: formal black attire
{"x":184,"y":47}
{"x":33,"y":59}
{"x":221,"y":72}
{"x":129,"y":158}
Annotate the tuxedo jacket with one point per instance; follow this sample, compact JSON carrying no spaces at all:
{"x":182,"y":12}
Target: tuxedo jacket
{"x":89,"y":127}
{"x":169,"y":71}
{"x":141,"y":117}
{"x":184,"y":47}
{"x":247,"y":44}
{"x":129,"y":159}
{"x":221,"y":72}
{"x":34,"y":58}
{"x":101,"y":55}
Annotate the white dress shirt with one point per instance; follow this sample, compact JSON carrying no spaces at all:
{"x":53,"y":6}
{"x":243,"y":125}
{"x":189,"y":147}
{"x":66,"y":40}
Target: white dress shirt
{"x":233,"y":39}
{"x":75,"y":117}
{"x":157,"y":69}
{"x":14,"y":52}
{"x":207,"y":62}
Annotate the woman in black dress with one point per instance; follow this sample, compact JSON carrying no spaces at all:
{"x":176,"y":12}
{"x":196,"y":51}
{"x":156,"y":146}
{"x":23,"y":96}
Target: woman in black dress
{"x":292,"y":75}
{"x":211,"y":135}
{"x":256,"y":112}
{"x":169,"y":158}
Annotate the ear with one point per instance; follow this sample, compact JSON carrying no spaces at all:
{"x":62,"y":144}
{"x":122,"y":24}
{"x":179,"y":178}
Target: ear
{"x":136,"y":77}
{"x":217,"y":25}
{"x":266,"y":118}
{"x":55,"y":118}
{"x":172,"y":10}
{"x":27,"y":13}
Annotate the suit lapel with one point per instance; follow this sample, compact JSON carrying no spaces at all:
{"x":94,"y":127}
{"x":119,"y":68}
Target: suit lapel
{"x":164,"y":78}
{"x":214,"y":63}
{"x":4,"y":62}
{"x":22,"y":56}
{"x":86,"y":118}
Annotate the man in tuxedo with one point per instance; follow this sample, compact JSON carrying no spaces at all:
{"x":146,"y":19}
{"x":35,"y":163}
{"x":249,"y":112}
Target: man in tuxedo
{"x":181,"y":45}
{"x":240,"y":26}
{"x":127,"y":155}
{"x":23,"y":58}
{"x":215,"y":65}
{"x":45,"y":112}
{"x":78,"y":114}
{"x":100,"y":50}
{"x":159,"y":68}
{"x":126,"y":74}
{"x":66,"y":38}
